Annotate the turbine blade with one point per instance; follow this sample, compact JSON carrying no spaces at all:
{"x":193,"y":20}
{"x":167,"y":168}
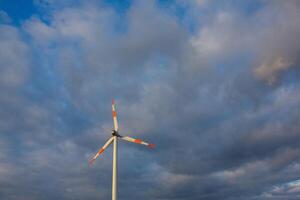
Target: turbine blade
{"x":138,"y":141}
{"x":109,"y":141}
{"x":114,"y":115}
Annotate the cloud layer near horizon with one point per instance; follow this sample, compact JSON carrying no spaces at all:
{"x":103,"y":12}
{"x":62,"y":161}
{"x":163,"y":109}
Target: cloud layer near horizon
{"x":214,"y":85}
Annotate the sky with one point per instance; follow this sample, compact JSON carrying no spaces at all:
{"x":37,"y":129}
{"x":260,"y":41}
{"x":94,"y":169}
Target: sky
{"x":213,"y":83}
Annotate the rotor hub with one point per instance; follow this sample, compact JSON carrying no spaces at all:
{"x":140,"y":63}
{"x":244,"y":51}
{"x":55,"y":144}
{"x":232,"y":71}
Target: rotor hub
{"x":115,"y":133}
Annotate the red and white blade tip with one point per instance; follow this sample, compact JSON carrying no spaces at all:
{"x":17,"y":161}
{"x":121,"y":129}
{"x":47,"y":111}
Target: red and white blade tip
{"x":113,"y":101}
{"x":151,"y":146}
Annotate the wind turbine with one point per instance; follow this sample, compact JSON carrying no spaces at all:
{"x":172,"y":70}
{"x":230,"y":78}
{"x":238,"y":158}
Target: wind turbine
{"x":114,"y":139}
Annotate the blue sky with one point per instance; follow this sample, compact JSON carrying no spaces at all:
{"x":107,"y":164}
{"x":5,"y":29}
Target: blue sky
{"x":18,"y":10}
{"x":214,"y":84}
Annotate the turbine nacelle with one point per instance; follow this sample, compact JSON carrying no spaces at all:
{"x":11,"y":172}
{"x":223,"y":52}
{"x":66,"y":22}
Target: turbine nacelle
{"x":115,"y":133}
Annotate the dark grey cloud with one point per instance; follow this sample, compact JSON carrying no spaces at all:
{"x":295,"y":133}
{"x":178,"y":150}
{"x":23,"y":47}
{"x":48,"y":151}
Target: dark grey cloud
{"x":221,"y":102}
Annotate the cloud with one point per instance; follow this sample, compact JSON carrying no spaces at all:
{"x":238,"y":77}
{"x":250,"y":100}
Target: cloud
{"x":4,"y":18}
{"x":14,"y":70}
{"x":269,"y":35}
{"x":269,"y":71}
{"x":220,"y":101}
{"x":280,"y":47}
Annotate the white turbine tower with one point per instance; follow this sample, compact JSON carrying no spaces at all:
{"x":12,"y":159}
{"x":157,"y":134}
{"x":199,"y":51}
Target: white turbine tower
{"x":114,"y":139}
